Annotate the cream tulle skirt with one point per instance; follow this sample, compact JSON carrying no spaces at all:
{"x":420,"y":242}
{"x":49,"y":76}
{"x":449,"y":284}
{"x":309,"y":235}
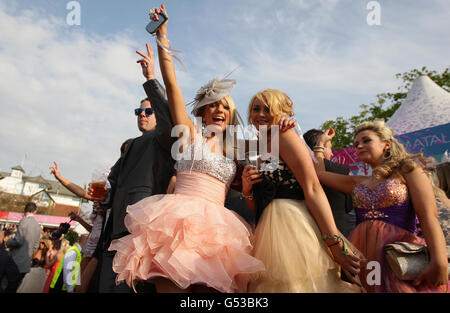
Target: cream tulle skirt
{"x":288,"y":241}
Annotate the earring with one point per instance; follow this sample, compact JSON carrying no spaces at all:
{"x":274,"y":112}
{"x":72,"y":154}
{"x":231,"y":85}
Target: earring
{"x":204,"y":129}
{"x":386,"y":157}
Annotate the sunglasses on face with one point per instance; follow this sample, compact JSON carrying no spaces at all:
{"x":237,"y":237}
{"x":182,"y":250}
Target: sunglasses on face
{"x":148,"y":111}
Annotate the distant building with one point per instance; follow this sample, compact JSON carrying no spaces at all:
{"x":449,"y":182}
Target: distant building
{"x":44,"y":192}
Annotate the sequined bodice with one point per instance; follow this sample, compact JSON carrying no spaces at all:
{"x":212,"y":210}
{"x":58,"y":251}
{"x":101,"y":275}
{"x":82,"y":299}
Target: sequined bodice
{"x":385,"y":194}
{"x":199,"y":158}
{"x":388,"y":201}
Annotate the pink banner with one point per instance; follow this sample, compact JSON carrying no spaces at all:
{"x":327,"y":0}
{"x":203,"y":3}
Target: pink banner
{"x":347,"y":156}
{"x":43,"y":219}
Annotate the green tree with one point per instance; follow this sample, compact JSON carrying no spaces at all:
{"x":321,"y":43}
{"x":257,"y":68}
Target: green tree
{"x":384,"y":107}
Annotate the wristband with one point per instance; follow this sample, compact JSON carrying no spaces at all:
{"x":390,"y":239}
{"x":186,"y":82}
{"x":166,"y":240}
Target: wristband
{"x":345,"y":250}
{"x":333,"y":244}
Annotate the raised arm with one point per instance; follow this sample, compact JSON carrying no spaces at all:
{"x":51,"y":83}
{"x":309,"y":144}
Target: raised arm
{"x":294,"y":152}
{"x":174,"y":95}
{"x":339,"y":182}
{"x":158,"y":100}
{"x":50,"y":258}
{"x":73,"y":215}
{"x":80,"y":192}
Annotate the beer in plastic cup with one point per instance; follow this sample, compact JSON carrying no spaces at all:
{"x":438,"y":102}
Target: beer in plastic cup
{"x":98,"y":189}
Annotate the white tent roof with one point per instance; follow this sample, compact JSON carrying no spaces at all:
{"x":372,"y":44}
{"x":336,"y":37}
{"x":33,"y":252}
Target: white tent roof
{"x":426,"y":105}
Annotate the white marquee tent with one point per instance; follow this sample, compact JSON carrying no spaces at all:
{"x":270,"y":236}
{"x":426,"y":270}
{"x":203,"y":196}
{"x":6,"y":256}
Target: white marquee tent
{"x":426,"y":105}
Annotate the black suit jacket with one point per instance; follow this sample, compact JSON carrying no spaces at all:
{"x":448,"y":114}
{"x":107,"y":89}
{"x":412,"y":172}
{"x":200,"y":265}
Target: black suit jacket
{"x":145,"y":168}
{"x":340,"y":203}
{"x":9,"y":273}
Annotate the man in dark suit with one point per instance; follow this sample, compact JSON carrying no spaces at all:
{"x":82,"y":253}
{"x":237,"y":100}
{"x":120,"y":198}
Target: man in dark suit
{"x":341,"y":203}
{"x":26,"y":240}
{"x":9,"y":273}
{"x":144,"y":170}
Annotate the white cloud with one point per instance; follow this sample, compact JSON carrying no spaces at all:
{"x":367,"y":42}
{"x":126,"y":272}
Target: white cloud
{"x":66,"y":95}
{"x":328,"y":52}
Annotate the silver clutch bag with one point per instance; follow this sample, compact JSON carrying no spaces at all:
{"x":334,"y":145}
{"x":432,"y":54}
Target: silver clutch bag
{"x":406,"y":259}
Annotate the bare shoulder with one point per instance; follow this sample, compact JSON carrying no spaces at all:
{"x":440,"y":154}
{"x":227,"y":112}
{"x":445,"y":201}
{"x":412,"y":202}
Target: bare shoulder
{"x":415,"y":176}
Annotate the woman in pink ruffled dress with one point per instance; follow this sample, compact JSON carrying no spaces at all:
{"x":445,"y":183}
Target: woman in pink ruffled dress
{"x":387,"y":206}
{"x":188,"y":241}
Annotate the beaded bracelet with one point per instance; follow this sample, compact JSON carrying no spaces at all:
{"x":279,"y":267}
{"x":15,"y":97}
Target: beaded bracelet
{"x":249,"y":197}
{"x":337,"y":237}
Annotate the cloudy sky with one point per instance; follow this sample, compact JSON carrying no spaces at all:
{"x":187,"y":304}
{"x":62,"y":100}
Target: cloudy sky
{"x":67,"y":92}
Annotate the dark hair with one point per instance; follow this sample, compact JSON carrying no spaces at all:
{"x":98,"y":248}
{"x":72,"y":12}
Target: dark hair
{"x":7,"y":231}
{"x":72,"y":236}
{"x":56,"y":243}
{"x":30,"y":207}
{"x":124,"y":145}
{"x":146,"y":99}
{"x":312,"y":136}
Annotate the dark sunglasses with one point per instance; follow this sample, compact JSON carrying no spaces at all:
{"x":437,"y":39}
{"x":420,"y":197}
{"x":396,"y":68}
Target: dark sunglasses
{"x":148,"y":111}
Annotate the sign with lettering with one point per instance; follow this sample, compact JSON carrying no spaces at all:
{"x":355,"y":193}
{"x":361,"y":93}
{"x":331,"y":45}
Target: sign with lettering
{"x":432,"y":142}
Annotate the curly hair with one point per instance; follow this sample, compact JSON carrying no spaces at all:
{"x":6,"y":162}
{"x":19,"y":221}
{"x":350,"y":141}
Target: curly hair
{"x":399,"y":161}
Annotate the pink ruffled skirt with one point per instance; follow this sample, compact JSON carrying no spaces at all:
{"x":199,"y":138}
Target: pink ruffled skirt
{"x":370,"y":237}
{"x":188,"y":237}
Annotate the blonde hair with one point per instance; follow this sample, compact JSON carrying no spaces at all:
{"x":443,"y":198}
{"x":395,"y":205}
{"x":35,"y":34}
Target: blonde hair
{"x":234,"y":120}
{"x":279,"y":104}
{"x":399,"y":161}
{"x":435,"y":183}
{"x":48,"y":242}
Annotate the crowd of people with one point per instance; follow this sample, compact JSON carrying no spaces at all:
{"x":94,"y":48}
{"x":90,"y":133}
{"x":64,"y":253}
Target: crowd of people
{"x":34,"y":261}
{"x":188,"y":215}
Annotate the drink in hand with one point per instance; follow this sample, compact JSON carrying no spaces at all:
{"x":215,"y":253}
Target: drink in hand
{"x":98,"y":189}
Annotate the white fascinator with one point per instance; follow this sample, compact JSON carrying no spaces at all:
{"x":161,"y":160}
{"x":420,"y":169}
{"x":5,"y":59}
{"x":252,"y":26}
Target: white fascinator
{"x":213,"y":91}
